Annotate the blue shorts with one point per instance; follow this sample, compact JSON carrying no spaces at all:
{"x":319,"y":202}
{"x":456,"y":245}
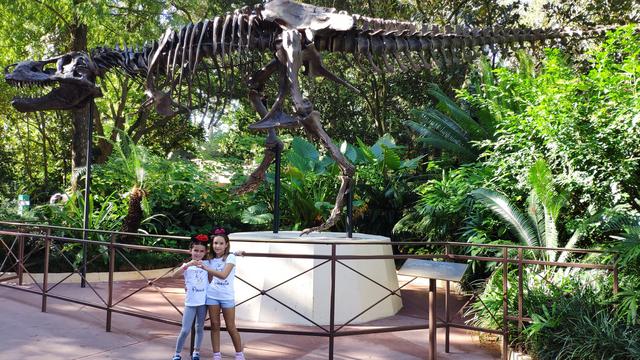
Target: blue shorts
{"x":225,"y":304}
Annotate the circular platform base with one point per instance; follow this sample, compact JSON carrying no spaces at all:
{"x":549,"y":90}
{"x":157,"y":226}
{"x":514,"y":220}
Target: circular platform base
{"x":298,"y":289}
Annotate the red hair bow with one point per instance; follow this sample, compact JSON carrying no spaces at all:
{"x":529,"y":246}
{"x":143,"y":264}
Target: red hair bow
{"x":201,"y":237}
{"x":219,"y":231}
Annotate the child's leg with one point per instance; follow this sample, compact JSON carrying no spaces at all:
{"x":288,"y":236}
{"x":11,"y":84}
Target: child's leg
{"x":201,"y":314}
{"x":187,"y":320}
{"x":230,"y":323}
{"x":214,"y":315}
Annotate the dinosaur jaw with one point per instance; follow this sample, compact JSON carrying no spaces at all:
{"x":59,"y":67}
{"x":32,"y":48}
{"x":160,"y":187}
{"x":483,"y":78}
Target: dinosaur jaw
{"x":72,"y":83}
{"x":64,"y":97}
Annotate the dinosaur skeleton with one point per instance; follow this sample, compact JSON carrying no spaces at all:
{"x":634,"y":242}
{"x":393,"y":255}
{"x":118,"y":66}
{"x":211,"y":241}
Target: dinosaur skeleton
{"x":181,"y":64}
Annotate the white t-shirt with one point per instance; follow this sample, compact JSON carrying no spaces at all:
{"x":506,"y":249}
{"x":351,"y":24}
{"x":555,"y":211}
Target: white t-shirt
{"x":222,"y":289}
{"x":195,"y":282}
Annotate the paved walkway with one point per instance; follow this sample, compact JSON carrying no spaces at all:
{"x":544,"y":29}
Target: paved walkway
{"x":72,"y":331}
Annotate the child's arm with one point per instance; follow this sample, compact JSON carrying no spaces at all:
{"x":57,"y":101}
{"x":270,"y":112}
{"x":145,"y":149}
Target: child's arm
{"x":182,"y":268}
{"x":219,"y":274}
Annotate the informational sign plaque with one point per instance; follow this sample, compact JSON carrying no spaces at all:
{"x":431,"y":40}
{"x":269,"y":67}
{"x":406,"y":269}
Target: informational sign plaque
{"x":438,"y":270}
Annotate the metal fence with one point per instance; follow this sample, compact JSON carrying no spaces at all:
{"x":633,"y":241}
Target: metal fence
{"x":27,"y":247}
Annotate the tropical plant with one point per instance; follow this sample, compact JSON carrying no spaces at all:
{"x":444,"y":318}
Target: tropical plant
{"x":444,"y":204}
{"x":585,"y":124}
{"x":449,"y":127}
{"x":383,"y":183}
{"x":538,"y":227}
{"x":627,"y":250}
{"x":132,"y":159}
{"x":580,"y":326}
{"x":308,"y":183}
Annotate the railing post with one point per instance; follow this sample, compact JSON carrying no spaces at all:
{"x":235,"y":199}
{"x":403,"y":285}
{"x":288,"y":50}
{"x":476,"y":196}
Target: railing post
{"x":112,"y":266}
{"x":20,"y":271}
{"x":520,"y":291}
{"x":447,"y":286}
{"x":505,"y":305}
{"x":433,"y":325}
{"x":45,"y":273}
{"x":332,"y":299}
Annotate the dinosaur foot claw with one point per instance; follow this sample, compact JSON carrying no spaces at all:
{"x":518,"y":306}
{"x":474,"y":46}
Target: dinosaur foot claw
{"x":326,"y":225}
{"x":247,"y":187}
{"x":276,"y":120}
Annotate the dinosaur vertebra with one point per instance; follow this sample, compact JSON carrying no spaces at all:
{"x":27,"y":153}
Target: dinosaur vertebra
{"x":296,"y":34}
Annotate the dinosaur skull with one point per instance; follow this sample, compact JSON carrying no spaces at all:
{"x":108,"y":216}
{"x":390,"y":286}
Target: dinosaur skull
{"x":73,"y":73}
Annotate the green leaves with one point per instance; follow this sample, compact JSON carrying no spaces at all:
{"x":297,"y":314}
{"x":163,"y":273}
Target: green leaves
{"x":450,"y":128}
{"x":256,"y":215}
{"x":522,"y":226}
{"x":539,"y":227}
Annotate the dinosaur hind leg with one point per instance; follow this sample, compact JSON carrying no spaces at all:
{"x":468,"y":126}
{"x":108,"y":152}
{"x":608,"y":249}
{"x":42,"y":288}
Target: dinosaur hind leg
{"x":313,"y":126}
{"x":272,"y":146}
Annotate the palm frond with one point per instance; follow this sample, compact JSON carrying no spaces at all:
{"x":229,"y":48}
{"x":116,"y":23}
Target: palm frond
{"x":542,"y":183}
{"x":441,"y":143}
{"x":571,"y":244}
{"x":459,"y":115}
{"x":550,"y":238}
{"x":500,"y":205}
{"x":436,"y":120}
{"x":429,"y":131}
{"x":618,"y":222}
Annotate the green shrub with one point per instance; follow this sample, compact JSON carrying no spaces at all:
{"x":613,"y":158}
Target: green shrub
{"x":557,"y":300}
{"x":580,"y":326}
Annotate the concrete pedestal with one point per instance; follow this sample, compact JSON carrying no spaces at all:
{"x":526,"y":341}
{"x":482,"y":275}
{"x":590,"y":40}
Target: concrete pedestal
{"x":309,"y":292}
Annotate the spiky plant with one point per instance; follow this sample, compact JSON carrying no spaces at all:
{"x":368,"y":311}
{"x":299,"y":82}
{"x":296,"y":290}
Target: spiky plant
{"x":448,"y":127}
{"x":538,"y":226}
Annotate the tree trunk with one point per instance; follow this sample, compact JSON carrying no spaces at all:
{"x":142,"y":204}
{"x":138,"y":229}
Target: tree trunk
{"x":79,"y":117}
{"x":79,"y":143}
{"x":132,"y":221}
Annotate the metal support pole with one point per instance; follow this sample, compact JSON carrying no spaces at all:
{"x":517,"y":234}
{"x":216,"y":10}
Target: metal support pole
{"x":520,"y":292}
{"x":20,"y":270}
{"x":350,"y":212}
{"x":112,"y":267}
{"x":87,"y":188}
{"x":447,"y":328}
{"x":45,"y":273}
{"x":433,"y":335}
{"x":505,"y":306}
{"x":332,"y":304}
{"x":276,"y":195}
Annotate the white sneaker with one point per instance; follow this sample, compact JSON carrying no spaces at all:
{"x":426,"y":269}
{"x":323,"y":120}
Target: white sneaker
{"x":240,"y":356}
{"x":217,"y":356}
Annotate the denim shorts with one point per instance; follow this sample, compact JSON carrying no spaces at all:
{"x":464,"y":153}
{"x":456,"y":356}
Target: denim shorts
{"x":225,"y":304}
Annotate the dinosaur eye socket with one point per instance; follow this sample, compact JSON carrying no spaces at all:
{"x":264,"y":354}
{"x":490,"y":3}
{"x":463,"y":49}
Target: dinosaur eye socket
{"x":49,"y":69}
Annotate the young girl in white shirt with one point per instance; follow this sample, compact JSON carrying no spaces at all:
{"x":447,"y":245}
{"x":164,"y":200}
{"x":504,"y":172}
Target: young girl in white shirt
{"x":220,"y":293}
{"x":196,"y":281}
